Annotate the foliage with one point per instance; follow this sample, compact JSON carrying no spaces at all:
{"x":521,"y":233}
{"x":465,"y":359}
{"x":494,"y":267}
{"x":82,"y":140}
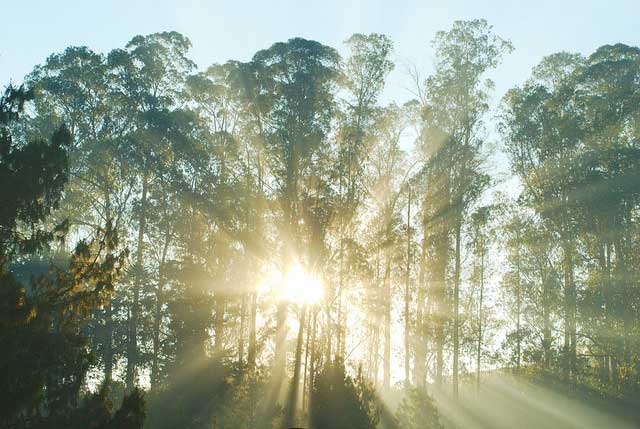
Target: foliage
{"x":339,"y":401}
{"x":221,"y":179}
{"x":418,"y":410}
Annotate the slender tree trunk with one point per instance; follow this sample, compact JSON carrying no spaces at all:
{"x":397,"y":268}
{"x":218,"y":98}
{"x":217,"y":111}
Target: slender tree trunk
{"x":132,"y":349}
{"x":420,"y":354}
{"x":108,"y":315}
{"x":108,"y":344}
{"x":439,"y":303}
{"x":407,"y":299}
{"x":295,"y":383}
{"x":279,"y":370}
{"x":387,"y":325}
{"x":155,"y":366}
{"x":518,"y":309}
{"x":570,"y":311}
{"x":306,"y":365}
{"x":376,"y":355}
{"x":338,"y":327}
{"x":243,"y":312}
{"x":218,"y":328}
{"x":339,"y":321}
{"x":251,"y":353}
{"x":456,"y":310}
{"x":327,"y":335}
{"x":480,"y":332}
{"x":546,"y":315}
{"x":606,"y":292}
{"x":314,"y":358}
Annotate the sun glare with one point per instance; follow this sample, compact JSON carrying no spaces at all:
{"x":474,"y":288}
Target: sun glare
{"x":300,"y":286}
{"x":297,"y":285}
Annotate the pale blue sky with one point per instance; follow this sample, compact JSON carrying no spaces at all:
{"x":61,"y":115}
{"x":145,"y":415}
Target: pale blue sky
{"x":30,"y":30}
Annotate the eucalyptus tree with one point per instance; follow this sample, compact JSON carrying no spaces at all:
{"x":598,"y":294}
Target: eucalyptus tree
{"x":364,"y":74}
{"x":543,"y":136}
{"x":456,"y":104}
{"x":150,"y":73}
{"x":530,"y":289}
{"x":482,"y":235}
{"x":218,"y":102}
{"x":387,"y":176}
{"x":296,"y":83}
{"x":513,"y":280}
{"x":77,"y":88}
{"x":170,"y":194}
{"x":607,"y":92}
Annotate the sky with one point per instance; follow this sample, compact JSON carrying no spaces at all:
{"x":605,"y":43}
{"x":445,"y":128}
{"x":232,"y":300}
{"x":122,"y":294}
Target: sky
{"x":30,"y":30}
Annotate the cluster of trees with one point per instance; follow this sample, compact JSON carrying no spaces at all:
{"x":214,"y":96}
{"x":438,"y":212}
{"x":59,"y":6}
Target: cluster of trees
{"x":572,"y":134}
{"x":187,"y":190}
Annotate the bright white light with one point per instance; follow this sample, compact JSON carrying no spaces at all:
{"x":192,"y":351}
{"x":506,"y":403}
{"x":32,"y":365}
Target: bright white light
{"x":300,"y":286}
{"x":270,"y":281}
{"x":296,"y":285}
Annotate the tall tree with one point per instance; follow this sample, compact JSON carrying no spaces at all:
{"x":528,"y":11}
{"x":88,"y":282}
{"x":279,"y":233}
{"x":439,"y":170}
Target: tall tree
{"x":296,"y":81}
{"x":150,"y":72}
{"x":455,"y":107}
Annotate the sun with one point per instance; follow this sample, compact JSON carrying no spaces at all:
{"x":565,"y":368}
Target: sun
{"x":301,"y":287}
{"x":296,"y":285}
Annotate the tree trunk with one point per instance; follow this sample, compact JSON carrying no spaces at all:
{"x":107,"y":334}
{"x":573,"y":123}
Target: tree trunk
{"x":243,"y":311}
{"x":306,"y":365}
{"x":387,"y":325}
{"x":518,"y":308}
{"x":155,"y":366}
{"x":108,"y":325}
{"x":439,"y":302}
{"x":279,"y":369}
{"x":339,"y":321}
{"x":479,"y":351}
{"x":295,"y":382}
{"x":570,"y":311}
{"x":407,"y":299}
{"x":218,"y":328}
{"x":108,"y":344}
{"x":313,"y":360}
{"x":420,"y":354}
{"x":132,"y":349}
{"x":456,"y":310}
{"x":251,"y":353}
{"x":546,"y":315}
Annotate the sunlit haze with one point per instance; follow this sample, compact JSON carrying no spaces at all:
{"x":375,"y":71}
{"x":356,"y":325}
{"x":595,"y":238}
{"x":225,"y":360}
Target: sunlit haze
{"x":319,"y":214}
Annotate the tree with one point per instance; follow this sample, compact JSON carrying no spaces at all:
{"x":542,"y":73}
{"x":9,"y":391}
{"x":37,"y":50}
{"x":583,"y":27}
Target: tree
{"x":364,"y":76}
{"x":150,"y":74}
{"x":455,"y":106}
{"x":417,"y":410}
{"x":296,"y":81}
{"x":76,"y":87}
{"x":41,"y":318}
{"x":387,"y":176}
{"x":543,"y":137}
{"x":339,"y":402}
{"x":482,"y":236}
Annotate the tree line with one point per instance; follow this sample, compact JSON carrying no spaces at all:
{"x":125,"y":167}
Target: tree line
{"x":146,"y":204}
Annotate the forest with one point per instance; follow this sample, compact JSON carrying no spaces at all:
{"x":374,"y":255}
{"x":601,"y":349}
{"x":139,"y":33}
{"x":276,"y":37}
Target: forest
{"x":268,"y":244}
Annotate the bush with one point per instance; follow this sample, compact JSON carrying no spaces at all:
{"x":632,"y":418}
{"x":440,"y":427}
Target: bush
{"x":418,"y":411}
{"x":339,"y":402}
